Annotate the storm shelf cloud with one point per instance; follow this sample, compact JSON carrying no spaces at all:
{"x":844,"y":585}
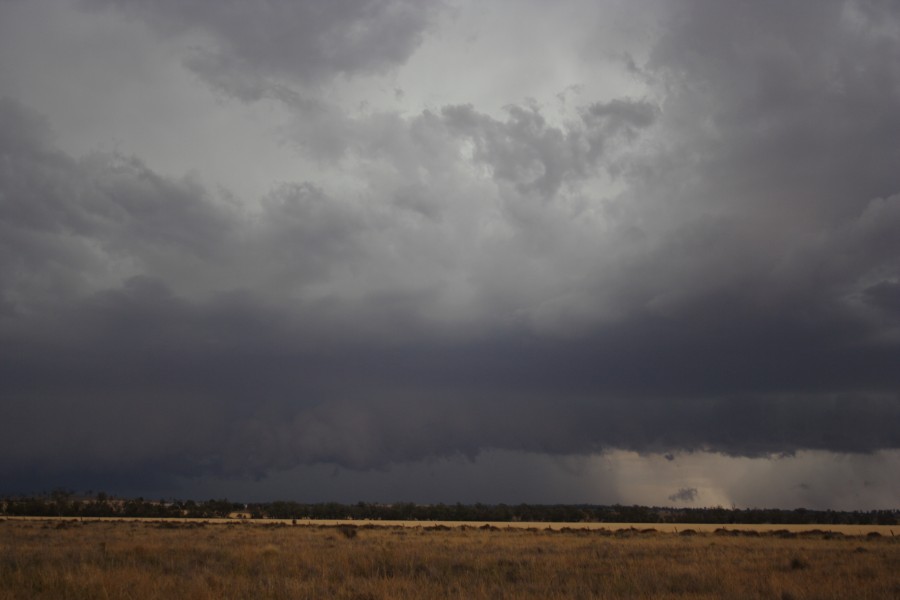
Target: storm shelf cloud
{"x":360,"y":242}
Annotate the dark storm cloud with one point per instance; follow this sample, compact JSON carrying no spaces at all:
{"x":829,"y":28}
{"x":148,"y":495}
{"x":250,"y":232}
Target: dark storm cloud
{"x":256,"y":47}
{"x":884,"y":295}
{"x":785,"y":109}
{"x":738,"y":295}
{"x":684,"y":495}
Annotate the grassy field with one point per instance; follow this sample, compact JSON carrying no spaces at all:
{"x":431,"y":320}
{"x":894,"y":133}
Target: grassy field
{"x":130,"y":559}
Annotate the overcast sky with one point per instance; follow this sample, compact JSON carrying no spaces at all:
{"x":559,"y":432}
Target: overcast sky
{"x":505,"y":251}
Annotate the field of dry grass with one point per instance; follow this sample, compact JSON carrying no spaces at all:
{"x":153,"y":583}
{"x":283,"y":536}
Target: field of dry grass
{"x":128,"y":559}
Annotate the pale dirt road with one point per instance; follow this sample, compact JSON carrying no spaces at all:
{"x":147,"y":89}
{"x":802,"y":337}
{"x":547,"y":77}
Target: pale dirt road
{"x":885,"y":530}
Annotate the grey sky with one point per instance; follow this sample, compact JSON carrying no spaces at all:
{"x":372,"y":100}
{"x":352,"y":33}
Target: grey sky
{"x":244,"y":246}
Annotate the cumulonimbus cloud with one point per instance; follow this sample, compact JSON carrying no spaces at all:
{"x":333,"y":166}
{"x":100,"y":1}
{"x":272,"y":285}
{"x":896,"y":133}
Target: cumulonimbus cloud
{"x":734,"y":292}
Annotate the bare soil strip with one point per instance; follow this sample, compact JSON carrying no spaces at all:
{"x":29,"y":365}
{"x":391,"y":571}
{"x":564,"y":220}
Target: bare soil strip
{"x":854,"y":530}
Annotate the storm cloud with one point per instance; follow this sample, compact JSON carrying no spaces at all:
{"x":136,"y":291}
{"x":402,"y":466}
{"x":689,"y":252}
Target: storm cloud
{"x":250,"y":50}
{"x":704,"y":262}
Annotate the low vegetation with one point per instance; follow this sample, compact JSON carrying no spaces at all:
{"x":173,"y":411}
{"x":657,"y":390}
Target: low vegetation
{"x":62,"y":503}
{"x":73,"y":559}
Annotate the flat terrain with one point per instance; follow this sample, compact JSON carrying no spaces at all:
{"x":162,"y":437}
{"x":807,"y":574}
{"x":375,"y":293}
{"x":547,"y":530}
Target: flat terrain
{"x":851,"y":530}
{"x":70,"y":559}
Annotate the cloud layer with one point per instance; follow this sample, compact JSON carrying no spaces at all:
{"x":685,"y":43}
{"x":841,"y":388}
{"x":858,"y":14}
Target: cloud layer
{"x":710,"y":264}
{"x":250,"y":49}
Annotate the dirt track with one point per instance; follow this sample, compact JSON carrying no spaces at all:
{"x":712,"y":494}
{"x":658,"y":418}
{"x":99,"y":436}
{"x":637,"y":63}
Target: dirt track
{"x":884,"y":530}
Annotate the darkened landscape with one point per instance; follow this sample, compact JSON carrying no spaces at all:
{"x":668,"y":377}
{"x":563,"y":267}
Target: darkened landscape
{"x":470,"y":299}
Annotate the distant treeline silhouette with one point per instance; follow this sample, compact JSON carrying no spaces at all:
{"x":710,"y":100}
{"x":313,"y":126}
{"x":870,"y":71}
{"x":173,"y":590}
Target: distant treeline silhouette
{"x":63,"y":503}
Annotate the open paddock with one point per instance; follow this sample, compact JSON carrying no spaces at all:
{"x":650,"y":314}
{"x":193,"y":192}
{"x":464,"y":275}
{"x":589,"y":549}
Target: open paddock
{"x":75,"y":559}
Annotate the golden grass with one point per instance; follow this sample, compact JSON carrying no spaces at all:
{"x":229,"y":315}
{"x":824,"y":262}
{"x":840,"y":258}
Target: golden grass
{"x":129,"y":559}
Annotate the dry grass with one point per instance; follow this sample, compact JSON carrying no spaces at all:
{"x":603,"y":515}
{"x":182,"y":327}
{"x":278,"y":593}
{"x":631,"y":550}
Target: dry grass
{"x":74,"y":560}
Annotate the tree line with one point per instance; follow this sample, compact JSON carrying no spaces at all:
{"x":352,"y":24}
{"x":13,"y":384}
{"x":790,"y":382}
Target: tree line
{"x":62,"y":503}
